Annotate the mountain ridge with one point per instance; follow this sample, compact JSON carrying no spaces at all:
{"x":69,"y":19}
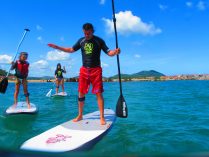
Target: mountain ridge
{"x":141,"y":74}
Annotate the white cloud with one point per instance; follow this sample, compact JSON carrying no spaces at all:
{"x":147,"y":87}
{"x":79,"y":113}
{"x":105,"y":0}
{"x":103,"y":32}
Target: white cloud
{"x":57,"y":55}
{"x":137,"y":56}
{"x":163,"y":7}
{"x":40,"y":68}
{"x":104,"y":65}
{"x":5,"y":59}
{"x":189,"y":4}
{"x":102,"y":2}
{"x":40,"y":39}
{"x":41,"y":64}
{"x":201,"y":5}
{"x":39,"y":28}
{"x":127,"y":23}
{"x":137,"y":43}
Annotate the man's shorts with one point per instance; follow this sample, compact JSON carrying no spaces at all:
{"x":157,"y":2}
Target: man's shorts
{"x":90,"y":76}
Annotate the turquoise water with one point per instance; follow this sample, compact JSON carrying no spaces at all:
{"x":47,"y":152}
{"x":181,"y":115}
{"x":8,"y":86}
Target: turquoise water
{"x":170,"y":117}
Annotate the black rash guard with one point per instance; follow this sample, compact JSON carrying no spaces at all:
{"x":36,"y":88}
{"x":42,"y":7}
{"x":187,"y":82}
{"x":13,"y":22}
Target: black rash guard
{"x":91,"y":50}
{"x":58,"y":73}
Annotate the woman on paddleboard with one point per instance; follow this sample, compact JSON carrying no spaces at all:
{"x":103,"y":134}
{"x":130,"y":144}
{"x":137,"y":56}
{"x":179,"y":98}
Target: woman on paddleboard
{"x":59,"y":79}
{"x":91,"y":71}
{"x":21,"y":67}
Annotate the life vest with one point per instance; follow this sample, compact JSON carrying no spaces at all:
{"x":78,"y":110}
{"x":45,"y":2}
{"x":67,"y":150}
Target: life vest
{"x":22,"y":69}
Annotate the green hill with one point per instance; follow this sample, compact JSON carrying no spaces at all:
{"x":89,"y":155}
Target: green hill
{"x":2,"y":72}
{"x":150,"y":73}
{"x":142,"y":74}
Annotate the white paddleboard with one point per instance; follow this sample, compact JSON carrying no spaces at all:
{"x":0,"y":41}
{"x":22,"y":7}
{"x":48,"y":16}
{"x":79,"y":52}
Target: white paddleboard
{"x":60,"y":94}
{"x":72,"y":135}
{"x":22,"y":108}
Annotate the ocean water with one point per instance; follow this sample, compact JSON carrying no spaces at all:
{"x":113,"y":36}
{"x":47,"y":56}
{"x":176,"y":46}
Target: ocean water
{"x":165,"y":118}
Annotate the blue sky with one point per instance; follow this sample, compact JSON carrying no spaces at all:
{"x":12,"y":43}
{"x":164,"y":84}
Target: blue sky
{"x":169,"y":36}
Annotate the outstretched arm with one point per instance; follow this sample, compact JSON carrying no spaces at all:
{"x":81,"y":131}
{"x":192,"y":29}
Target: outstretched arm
{"x":114,"y":52}
{"x":68,"y":50}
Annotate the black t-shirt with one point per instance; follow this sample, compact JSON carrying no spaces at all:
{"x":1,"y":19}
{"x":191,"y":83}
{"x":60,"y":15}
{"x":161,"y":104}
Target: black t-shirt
{"x":91,"y":50}
{"x":58,"y":73}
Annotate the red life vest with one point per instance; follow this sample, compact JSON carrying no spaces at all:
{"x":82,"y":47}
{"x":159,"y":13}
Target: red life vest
{"x":22,"y":69}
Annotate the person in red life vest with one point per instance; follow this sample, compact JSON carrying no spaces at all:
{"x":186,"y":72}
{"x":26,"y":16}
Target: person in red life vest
{"x":59,"y":79}
{"x":21,"y":67}
{"x":91,"y":71}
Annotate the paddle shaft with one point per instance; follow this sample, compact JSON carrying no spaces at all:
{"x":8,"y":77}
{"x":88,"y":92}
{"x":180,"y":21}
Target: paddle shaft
{"x":121,"y":107}
{"x":116,"y":43}
{"x":18,"y":46}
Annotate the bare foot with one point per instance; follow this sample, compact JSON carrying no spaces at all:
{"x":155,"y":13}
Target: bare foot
{"x":28,"y":105}
{"x":77,"y":119}
{"x":102,"y":121}
{"x":14,"y":105}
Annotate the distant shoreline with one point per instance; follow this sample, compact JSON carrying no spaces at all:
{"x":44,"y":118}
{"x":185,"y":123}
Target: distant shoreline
{"x":150,"y":75}
{"x":128,"y":80}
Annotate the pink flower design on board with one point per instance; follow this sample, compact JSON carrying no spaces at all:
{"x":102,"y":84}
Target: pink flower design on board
{"x":58,"y":138}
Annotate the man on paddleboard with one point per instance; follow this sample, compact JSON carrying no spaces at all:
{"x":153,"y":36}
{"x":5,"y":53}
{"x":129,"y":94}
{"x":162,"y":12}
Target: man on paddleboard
{"x":91,"y":71}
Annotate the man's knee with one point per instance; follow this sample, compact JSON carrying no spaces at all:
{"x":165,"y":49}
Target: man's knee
{"x":99,"y":95}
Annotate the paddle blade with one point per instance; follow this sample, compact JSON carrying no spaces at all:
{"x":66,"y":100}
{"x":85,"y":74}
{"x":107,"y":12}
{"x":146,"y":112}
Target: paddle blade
{"x":121,"y":108}
{"x":3,"y":85}
{"x":49,"y":93}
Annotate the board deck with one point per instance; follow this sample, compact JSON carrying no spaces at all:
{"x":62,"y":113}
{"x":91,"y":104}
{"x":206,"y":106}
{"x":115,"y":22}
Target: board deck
{"x":22,"y":108}
{"x":60,"y":94}
{"x":72,"y":135}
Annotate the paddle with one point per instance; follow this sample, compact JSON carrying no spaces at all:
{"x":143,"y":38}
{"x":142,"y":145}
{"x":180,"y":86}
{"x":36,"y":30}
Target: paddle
{"x":4,"y":82}
{"x":121,"y":107}
{"x":50,"y":91}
